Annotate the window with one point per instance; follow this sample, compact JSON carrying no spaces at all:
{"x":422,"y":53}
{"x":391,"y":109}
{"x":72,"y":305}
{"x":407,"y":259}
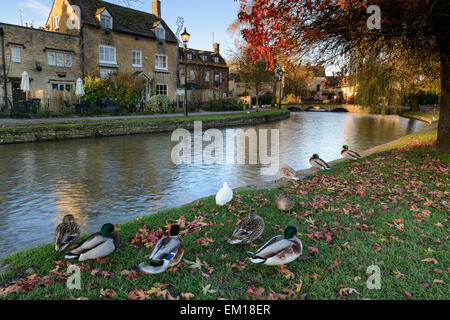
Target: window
{"x":60,"y":60}
{"x":15,"y":54}
{"x":61,"y":87}
{"x":216,"y":59}
{"x":192,"y":75}
{"x":161,"y":62}
{"x":106,"y":20}
{"x":207,"y":76}
{"x":204,"y":58}
{"x":136,"y":58}
{"x":51,"y":59}
{"x":68,"y":60}
{"x":217,"y":77}
{"x":161,"y":89}
{"x":105,"y":73}
{"x":189,"y":56}
{"x":160,"y":32}
{"x":55,"y":22}
{"x":107,"y":54}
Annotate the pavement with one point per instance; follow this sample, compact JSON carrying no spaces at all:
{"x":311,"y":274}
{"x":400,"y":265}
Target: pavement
{"x":15,"y":122}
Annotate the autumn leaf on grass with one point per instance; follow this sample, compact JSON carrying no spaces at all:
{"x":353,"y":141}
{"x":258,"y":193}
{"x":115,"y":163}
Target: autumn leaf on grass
{"x":408,"y":294}
{"x":439,"y":281}
{"x":204,"y":241}
{"x":347,"y":291}
{"x":314,"y":276}
{"x":103,"y":273}
{"x":399,"y":275}
{"x":187,"y":296}
{"x":131,"y":274}
{"x":257,"y":292}
{"x":206,"y":289}
{"x":346,"y":245}
{"x":194,"y":265}
{"x":433,"y":260}
{"x":313,"y":250}
{"x":137,"y":294}
{"x":334,"y":265}
{"x":288,"y":274}
{"x":298,"y":286}
{"x":107,"y":293}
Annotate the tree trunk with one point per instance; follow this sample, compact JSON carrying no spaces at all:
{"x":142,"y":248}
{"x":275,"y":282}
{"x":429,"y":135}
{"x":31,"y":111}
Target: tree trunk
{"x":257,"y":97}
{"x":443,"y":138}
{"x":414,"y":102}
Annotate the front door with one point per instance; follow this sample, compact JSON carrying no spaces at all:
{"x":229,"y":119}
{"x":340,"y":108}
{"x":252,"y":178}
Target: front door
{"x":17,"y":93}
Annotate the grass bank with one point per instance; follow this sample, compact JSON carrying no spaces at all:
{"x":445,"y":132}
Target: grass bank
{"x":429,"y":116}
{"x":388,"y":210}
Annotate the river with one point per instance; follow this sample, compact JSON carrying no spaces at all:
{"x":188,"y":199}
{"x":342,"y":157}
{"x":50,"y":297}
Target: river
{"x":116,"y":179}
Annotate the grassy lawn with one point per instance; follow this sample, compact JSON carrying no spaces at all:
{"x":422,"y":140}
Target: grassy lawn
{"x":180,"y":119}
{"x":389,"y":210}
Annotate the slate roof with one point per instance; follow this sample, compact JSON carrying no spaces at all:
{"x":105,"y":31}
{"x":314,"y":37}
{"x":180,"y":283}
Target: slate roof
{"x":125,"y":19}
{"x":197,"y":56}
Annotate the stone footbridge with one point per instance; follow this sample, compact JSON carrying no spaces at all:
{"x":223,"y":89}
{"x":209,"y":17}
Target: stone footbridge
{"x":354,"y":108}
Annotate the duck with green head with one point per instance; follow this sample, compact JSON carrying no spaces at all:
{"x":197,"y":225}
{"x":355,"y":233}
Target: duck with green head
{"x":167,"y":253}
{"x":98,"y":245}
{"x":349,"y":154}
{"x":318,"y":163}
{"x":279,"y":250}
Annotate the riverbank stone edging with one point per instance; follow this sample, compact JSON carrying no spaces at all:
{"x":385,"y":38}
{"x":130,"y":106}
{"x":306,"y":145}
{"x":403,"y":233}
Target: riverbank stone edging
{"x":51,"y":133}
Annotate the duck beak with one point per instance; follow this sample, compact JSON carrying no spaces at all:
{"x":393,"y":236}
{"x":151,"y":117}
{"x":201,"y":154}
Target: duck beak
{"x":116,"y":229}
{"x":299,"y":234}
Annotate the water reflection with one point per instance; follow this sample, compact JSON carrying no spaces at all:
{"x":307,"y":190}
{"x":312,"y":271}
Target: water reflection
{"x":118,"y":178}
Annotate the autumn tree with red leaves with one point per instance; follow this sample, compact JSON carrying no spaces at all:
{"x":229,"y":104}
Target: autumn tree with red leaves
{"x":335,"y":28}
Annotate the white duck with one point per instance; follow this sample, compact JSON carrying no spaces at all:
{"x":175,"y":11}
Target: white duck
{"x":224,"y":195}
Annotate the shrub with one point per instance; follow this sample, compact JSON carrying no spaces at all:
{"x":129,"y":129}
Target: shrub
{"x":158,"y":104}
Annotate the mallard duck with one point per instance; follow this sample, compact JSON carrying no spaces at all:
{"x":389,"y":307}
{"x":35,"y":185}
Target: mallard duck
{"x":288,"y":173}
{"x":98,"y":245}
{"x":316,"y":162}
{"x":284,"y":202}
{"x":224,"y":195}
{"x":248,"y":230}
{"x":167,"y":253}
{"x":349,"y":154}
{"x":66,"y":233}
{"x":279,"y":250}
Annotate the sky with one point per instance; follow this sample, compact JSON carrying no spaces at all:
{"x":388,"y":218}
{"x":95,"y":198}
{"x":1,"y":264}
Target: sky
{"x":201,"y":17}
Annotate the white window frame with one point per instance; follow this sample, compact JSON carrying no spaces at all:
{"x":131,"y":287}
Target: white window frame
{"x":60,"y":59}
{"x":216,"y":59}
{"x":111,"y":61}
{"x":68,"y":60}
{"x":108,"y":20}
{"x":191,"y":75}
{"x":166,"y":90}
{"x":15,"y":54}
{"x":157,"y":67}
{"x":55,"y":20}
{"x":135,"y":62}
{"x":106,"y":72}
{"x":160,"y":32}
{"x":51,"y":61}
{"x":207,"y":76}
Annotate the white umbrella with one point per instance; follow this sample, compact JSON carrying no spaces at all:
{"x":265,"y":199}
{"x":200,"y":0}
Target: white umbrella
{"x":79,"y":91}
{"x":25,"y":84}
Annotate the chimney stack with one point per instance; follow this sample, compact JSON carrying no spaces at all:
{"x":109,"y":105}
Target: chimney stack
{"x":216,"y":48}
{"x":156,"y":8}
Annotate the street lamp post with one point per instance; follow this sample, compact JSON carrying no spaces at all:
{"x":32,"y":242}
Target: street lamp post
{"x":280,"y":73}
{"x":185,"y":37}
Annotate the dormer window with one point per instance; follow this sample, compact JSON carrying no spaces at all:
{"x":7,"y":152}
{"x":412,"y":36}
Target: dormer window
{"x":106,"y":20}
{"x":204,"y":58}
{"x":160,"y":32}
{"x":56,"y":22}
{"x":189,"y":56}
{"x":216,"y":59}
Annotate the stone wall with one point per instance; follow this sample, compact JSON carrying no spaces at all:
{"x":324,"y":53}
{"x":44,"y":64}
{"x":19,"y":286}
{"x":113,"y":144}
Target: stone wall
{"x":20,"y":135}
{"x":34,"y":46}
